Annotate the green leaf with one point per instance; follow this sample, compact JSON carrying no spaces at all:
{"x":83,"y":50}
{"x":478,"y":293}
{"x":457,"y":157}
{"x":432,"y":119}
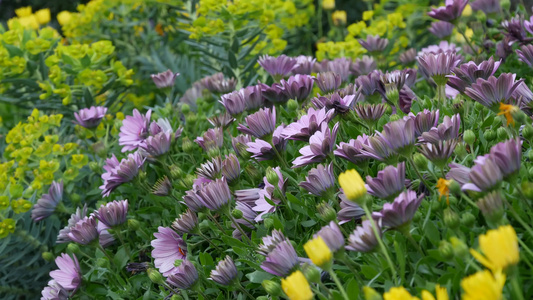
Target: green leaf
{"x":308,"y":223}
{"x":120,"y":258}
{"x":85,"y":61}
{"x":13,"y":50}
{"x":206,"y":259}
{"x":432,"y":233}
{"x":369,"y":271}
{"x":233,"y":242}
{"x":232,"y":59}
{"x":352,"y":289}
{"x":259,"y":276}
{"x":293,"y":199}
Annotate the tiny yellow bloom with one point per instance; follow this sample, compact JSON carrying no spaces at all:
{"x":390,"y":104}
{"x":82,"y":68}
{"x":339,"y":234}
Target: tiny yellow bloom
{"x":353,"y":185}
{"x":467,"y":12}
{"x":507,"y":111}
{"x":319,"y":252}
{"x":441,"y":292}
{"x":296,"y":287}
{"x":371,"y":294}
{"x":499,"y":247}
{"x":367,"y":15}
{"x":328,"y":4}
{"x":29,"y":22}
{"x":483,"y":286}
{"x":398,"y":293}
{"x":443,"y":186}
{"x":79,"y":160}
{"x":23,"y":11}
{"x":339,"y":17}
{"x":43,"y":16}
{"x":64,"y":17}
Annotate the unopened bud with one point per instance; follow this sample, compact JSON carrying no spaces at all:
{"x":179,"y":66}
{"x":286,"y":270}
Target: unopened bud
{"x":469,"y":137}
{"x":460,"y":150}
{"x":186,"y":145}
{"x":458,"y":106}
{"x":176,"y":172}
{"x":292,"y":105}
{"x":446,"y":250}
{"x":311,"y":273}
{"x":213,"y":152}
{"x":73,"y":248}
{"x":421,"y":162}
{"x":455,"y":187}
{"x":468,"y":219}
{"x":100,"y":149}
{"x":272,"y":288}
{"x":272,"y":176}
{"x":185,"y":108}
{"x":489,"y":135}
{"x":94,"y":166}
{"x":502,"y":134}
{"x":155,"y":276}
{"x":326,"y":212}
{"x":451,"y":219}
{"x":505,"y":4}
{"x":134,"y":224}
{"x":371,"y":294}
{"x":527,"y":132}
{"x":176,"y":297}
{"x":48,"y":256}
{"x":252,"y":172}
{"x":142,"y":175}
{"x":75,"y":198}
{"x":189,"y":180}
{"x":460,"y":249}
{"x":394,"y":118}
{"x":491,"y":206}
{"x":237,"y":214}
{"x":191,"y":119}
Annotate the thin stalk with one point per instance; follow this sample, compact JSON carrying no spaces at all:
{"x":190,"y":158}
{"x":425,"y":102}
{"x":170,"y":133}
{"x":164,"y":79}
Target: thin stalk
{"x":210,"y":216}
{"x":517,"y":288}
{"x":118,"y":233}
{"x":208,"y":240}
{"x":238,"y":226}
{"x":518,"y":218}
{"x":339,"y":284}
{"x":410,"y":159}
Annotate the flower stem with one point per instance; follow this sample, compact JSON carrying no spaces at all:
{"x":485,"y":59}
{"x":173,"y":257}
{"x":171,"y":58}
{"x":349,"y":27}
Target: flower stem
{"x":410,"y":159}
{"x":121,"y":239}
{"x":244,"y":235}
{"x":239,"y":285}
{"x":208,"y":240}
{"x":339,"y":284}
{"x":517,"y":289}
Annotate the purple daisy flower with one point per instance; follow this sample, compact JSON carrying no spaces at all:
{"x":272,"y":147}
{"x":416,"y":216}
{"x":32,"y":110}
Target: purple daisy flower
{"x":165,"y":79}
{"x":263,"y":204}
{"x":349,"y":210}
{"x":221,"y":120}
{"x":119,"y":173}
{"x":192,"y":94}
{"x":507,"y":155}
{"x":407,"y":96}
{"x":234,"y":102}
{"x":388,"y":184}
{"x":248,"y":217}
{"x":192,"y":201}
{"x":374,"y":43}
{"x":216,"y":83}
{"x":378,"y":147}
{"x":450,"y":12}
{"x":215,"y":195}
{"x":168,"y":247}
{"x":212,"y":138}
{"x":184,"y":276}
{"x":401,"y":211}
{"x":391,"y":83}
{"x":47,"y":204}
{"x":210,"y":170}
{"x":280,"y":66}
{"x":328,"y":81}
{"x":155,"y":146}
{"x":487,"y":6}
{"x":253,"y":96}
{"x":298,"y":87}
{"x":525,"y":54}
{"x":332,"y":236}
{"x":84,"y":231}
{"x":308,"y":124}
{"x":304,"y":65}
{"x":468,"y":73}
{"x":447,"y":130}
{"x":484,"y":176}
{"x":90,"y":117}
{"x":408,"y":56}
{"x":458,"y":173}
{"x":134,"y":130}
{"x":225,"y":272}
{"x":441,"y":29}
{"x":341,"y":105}
{"x":239,"y":144}
{"x":425,"y":120}
{"x":74,"y":218}
{"x":400,"y":135}
{"x":68,"y":276}
{"x":187,"y":222}
{"x":437,"y":66}
{"x":370,"y":113}
{"x":340,"y":66}
{"x":321,"y":144}
{"x":231,"y":168}
{"x":248,"y":196}
{"x":368,"y":84}
{"x":363,"y":238}
{"x":281,"y":260}
{"x":262,"y":150}
{"x":515,"y":29}
{"x":364,"y":65}
{"x":105,"y":239}
{"x":54,"y":291}
{"x":275,"y":93}
{"x":352,"y":151}
{"x":113,"y":213}
{"x":528,"y":24}
{"x":319,"y":180}
{"x":442,"y":47}
{"x":438,"y":153}
{"x":261,"y":123}
{"x":270,"y":242}
{"x":494,"y":90}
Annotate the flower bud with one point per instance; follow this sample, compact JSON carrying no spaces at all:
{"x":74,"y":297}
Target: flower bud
{"x":491,"y":206}
{"x":455,"y":187}
{"x":142,"y":175}
{"x":48,"y":256}
{"x":489,"y":135}
{"x":176,"y":297}
{"x":478,"y":106}
{"x":94,"y":166}
{"x":480,"y":15}
{"x":102,"y":262}
{"x":75,"y":198}
{"x":417,"y":217}
{"x":435,"y":205}
{"x":237,"y":214}
{"x":502,"y":133}
{"x":451,"y":219}
{"x":505,"y":4}
{"x":134,"y":224}
{"x":185,"y":108}
{"x":527,"y":132}
{"x":458,"y":106}
{"x":272,"y":176}
{"x":269,"y":223}
{"x":176,"y":172}
{"x":100,"y":149}
{"x":468,"y":219}
{"x":527,"y":189}
{"x":292,"y":105}
{"x":311,"y":273}
{"x":469,"y":137}
{"x":213,"y":152}
{"x":252,"y":172}
{"x":188,"y":180}
{"x":73,"y":248}
{"x":446,"y":250}
{"x":155,"y":276}
{"x":371,"y":294}
{"x":191,"y":119}
{"x":460,"y":150}
{"x":326,"y":212}
{"x":421,"y":162}
{"x":394,"y":118}
{"x":186,"y":145}
{"x":381,"y":166}
{"x":460,"y":249}
{"x":272,"y":288}
{"x":262,"y":298}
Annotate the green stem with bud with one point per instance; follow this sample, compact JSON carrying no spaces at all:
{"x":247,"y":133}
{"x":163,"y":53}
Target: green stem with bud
{"x":238,"y":226}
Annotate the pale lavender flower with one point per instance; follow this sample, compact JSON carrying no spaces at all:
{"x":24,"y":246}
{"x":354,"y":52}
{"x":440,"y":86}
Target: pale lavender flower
{"x":487,"y":6}
{"x":528,"y":24}
{"x":447,"y":130}
{"x":485,"y":175}
{"x":134,"y":130}
{"x":442,"y":47}
{"x":441,"y":29}
{"x":319,"y":180}
{"x":90,"y":117}
{"x":216,"y":83}
{"x":47,"y":204}
{"x":155,"y":146}
{"x":374,"y":43}
{"x":363,"y":238}
{"x":425,"y":120}
{"x":266,"y":196}
{"x":328,"y":81}
{"x":270,"y":242}
{"x":507,"y":155}
{"x":260,"y":124}
{"x":401,"y":211}
{"x":399,"y":136}
{"x":184,"y":276}
{"x":341,"y":105}
{"x":308,"y":124}
{"x":370,"y":113}
{"x":262,"y":150}
{"x":165,"y":79}
{"x":364,"y":65}
{"x":187,"y":222}
{"x":515,"y":29}
{"x":332,"y":236}
{"x":234,"y":102}
{"x":105,"y":239}
{"x":391,"y":83}
{"x":68,"y":276}
{"x":168,"y":247}
{"x":388,"y":183}
{"x":80,"y":213}
{"x":225,"y":272}
{"x":407,"y":96}
{"x":468,"y":73}
{"x":281,"y":260}
{"x":321,"y":66}
{"x":437,"y":66}
{"x":408,"y":56}
{"x":377,"y":147}
{"x":298,"y":87}
{"x":274,"y":94}
{"x":278,"y":66}
{"x":192,"y":200}
{"x":450,"y":12}
{"x":458,"y":173}
{"x":248,"y":216}
{"x":253,"y":96}
{"x":84,"y":232}
{"x":352,"y":151}
{"x":239,"y":143}
{"x":231,"y":168}
{"x":210,"y":170}
{"x":525,"y":54}
{"x":215,"y":195}
{"x":221,"y":120}
{"x":438,"y":153}
{"x":54,"y":291}
{"x":119,"y":173}
{"x":349,"y":210}
{"x":340,"y":66}
{"x":368,"y":84}
{"x":494,"y":90}
{"x":113,"y":213}
{"x":192,"y":94}
{"x":248,"y":196}
{"x":304,"y":65}
{"x":523,"y":96}
{"x":321,"y":144}
{"x":212,"y":138}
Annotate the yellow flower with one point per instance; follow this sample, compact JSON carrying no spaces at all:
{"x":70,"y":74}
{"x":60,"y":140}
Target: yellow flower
{"x":371,"y":294}
{"x":353,"y":185}
{"x":398,"y":293}
{"x":507,"y":110}
{"x":483,"y":286}
{"x":443,"y":186}
{"x":499,"y":247}
{"x":339,"y":17}
{"x":64,"y":17}
{"x":441,"y":292}
{"x":20,"y":206}
{"x":4,"y":202}
{"x":367,"y":15}
{"x":23,"y":11}
{"x":319,"y":252}
{"x":328,"y":4}
{"x":43,"y":16}
{"x":356,"y":28}
{"x":79,"y":160}
{"x":296,"y":287}
{"x":29,"y":22}
{"x":467,"y":12}
{"x":6,"y":227}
